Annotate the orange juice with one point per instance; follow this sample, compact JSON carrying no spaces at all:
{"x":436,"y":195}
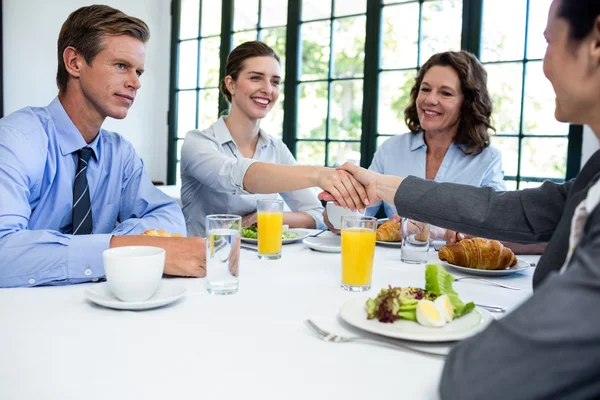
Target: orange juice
{"x":270,"y":226}
{"x":358,"y":248}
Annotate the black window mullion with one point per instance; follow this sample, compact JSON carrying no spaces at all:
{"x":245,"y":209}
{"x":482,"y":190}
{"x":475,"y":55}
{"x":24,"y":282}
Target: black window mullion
{"x":329,"y":84}
{"x":419,"y":30}
{"x":199,"y":56}
{"x":173,"y":106}
{"x":522,"y":109}
{"x":225,"y":49}
{"x":292,"y":67}
{"x":472,"y":26}
{"x":574,"y":147}
{"x":368,"y":143}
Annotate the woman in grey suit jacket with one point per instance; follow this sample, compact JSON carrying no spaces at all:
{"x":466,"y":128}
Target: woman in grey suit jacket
{"x":550,"y":346}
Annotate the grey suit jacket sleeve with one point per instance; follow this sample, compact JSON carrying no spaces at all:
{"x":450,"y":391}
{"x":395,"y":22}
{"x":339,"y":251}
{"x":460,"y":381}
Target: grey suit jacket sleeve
{"x":526,"y":216}
{"x":549,"y":348}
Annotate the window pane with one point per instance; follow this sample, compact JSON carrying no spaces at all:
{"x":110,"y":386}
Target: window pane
{"x":273,"y":122}
{"x":511,"y":185}
{"x":381,"y":139}
{"x":315,"y":50}
{"x":178,"y":174}
{"x":179,"y":145}
{"x":208,"y":108}
{"x":509,"y":147}
{"x":441,"y":28}
{"x":394,"y":93}
{"x":315,"y":9}
{"x":241,"y":37}
{"x":400,"y":36}
{"x":310,"y":153}
{"x":186,"y":112}
{"x":188,"y":64}
{"x":211,"y":17}
{"x":538,"y":115}
{"x":504,"y":85}
{"x":340,"y":152}
{"x":350,"y":7}
{"x":346,"y":110}
{"x":544,"y":157}
{"x":349,"y":47}
{"x":190,"y":11}
{"x":275,"y":37}
{"x":500,"y":39}
{"x":209,"y":66}
{"x":312,"y":111}
{"x":245,"y":14}
{"x":273,"y":13}
{"x":538,"y":15}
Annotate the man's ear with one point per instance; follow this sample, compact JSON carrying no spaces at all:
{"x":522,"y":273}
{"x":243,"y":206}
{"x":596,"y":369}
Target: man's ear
{"x":73,"y":61}
{"x":595,"y":43}
{"x":230,"y":84}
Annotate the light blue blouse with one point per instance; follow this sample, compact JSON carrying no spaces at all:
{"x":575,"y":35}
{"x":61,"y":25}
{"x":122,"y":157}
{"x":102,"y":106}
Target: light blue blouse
{"x":405,"y":155}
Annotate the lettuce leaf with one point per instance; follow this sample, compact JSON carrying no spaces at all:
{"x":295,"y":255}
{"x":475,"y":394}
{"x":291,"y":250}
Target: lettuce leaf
{"x":438,"y":282}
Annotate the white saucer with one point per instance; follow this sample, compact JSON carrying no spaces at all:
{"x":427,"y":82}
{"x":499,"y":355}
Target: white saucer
{"x":167,"y":292}
{"x":324,"y":244}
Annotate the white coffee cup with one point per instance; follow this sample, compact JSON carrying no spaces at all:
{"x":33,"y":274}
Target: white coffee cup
{"x":335,"y":214}
{"x":134,"y":272}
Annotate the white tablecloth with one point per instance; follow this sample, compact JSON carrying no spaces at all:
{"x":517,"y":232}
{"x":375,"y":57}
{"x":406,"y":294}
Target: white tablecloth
{"x":54,"y":344}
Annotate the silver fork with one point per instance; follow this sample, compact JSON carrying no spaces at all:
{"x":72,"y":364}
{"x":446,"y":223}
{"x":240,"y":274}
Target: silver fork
{"x":330,"y":337}
{"x":318,"y":233}
{"x":488,"y":282}
{"x":437,"y":245}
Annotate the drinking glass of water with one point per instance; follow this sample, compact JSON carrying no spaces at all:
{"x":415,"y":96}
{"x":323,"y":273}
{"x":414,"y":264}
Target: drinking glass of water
{"x":415,"y":242}
{"x":223,"y":253}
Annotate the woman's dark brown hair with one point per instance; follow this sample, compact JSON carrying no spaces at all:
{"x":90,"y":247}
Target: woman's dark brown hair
{"x":237,"y":57}
{"x":476,"y":110}
{"x":85,"y":30}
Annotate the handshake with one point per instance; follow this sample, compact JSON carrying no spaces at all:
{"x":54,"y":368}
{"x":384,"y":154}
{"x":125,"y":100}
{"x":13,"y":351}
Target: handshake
{"x":356,"y":188}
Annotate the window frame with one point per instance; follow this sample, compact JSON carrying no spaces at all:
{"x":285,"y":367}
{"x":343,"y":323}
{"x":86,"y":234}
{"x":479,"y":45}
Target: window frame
{"x":472,"y":25}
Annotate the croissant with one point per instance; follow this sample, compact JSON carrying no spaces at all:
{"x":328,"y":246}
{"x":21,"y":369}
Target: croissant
{"x":389,"y":232}
{"x":160,"y":232}
{"x":478,"y":253}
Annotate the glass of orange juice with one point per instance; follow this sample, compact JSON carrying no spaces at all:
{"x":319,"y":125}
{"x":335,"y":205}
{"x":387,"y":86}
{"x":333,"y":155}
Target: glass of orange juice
{"x":270,"y":225}
{"x":358,"y":249}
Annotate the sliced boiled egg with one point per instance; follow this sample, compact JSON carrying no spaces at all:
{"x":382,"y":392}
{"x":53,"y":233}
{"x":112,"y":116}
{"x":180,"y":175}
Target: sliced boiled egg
{"x":445,"y":307}
{"x":429,"y":315}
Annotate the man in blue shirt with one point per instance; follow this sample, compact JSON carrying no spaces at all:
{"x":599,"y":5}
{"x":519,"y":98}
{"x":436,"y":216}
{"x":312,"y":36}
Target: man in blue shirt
{"x":69,"y":189}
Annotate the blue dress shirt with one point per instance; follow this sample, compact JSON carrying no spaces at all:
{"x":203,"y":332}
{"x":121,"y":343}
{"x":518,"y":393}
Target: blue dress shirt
{"x":404,"y":155}
{"x":38,"y":160}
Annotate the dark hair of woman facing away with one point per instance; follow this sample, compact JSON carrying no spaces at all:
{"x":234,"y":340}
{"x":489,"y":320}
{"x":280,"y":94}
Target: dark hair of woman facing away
{"x":476,"y":110}
{"x":235,"y":60}
{"x":580,"y":14}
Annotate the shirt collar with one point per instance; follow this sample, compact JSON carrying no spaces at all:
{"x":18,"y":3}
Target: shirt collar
{"x":224,"y":136}
{"x":417,"y":141}
{"x":69,"y":138}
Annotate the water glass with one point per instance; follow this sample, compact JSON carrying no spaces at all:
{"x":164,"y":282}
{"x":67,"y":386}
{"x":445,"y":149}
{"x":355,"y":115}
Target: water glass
{"x":223,"y":253}
{"x":358,"y":249}
{"x":415,"y":241}
{"x":269,"y":215}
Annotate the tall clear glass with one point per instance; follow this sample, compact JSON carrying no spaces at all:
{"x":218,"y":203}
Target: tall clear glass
{"x":269,"y":217}
{"x":358,"y":249}
{"x":223,"y":253}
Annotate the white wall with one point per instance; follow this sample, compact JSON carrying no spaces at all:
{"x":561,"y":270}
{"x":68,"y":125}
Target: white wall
{"x":590,"y":144}
{"x":30,"y":32}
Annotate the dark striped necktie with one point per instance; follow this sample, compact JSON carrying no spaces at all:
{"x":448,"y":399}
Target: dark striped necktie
{"x":82,"y":207}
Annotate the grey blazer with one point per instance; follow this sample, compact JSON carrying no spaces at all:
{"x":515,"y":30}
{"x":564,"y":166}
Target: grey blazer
{"x":549,"y":347}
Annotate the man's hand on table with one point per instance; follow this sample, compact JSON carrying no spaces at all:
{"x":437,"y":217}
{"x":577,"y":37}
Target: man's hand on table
{"x":184,"y":256}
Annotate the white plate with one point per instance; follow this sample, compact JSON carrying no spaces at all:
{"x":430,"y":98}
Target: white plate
{"x":389,"y":244}
{"x":300,"y":232}
{"x":519,"y":266}
{"x":167,"y":292}
{"x":331,"y":244}
{"x":354,"y":313}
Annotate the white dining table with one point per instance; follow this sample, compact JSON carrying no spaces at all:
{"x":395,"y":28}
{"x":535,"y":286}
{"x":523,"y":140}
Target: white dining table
{"x":55,"y":344}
